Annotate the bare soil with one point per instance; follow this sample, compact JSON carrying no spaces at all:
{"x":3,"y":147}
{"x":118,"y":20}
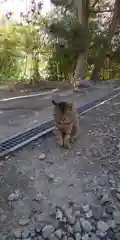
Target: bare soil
{"x":75,"y":175}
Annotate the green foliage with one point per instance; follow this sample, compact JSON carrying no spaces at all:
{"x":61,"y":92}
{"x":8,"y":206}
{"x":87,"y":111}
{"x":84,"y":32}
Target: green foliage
{"x":9,"y":53}
{"x":50,"y":44}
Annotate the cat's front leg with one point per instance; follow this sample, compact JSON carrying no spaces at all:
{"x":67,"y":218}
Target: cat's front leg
{"x":59,"y":137}
{"x":67,"y":136}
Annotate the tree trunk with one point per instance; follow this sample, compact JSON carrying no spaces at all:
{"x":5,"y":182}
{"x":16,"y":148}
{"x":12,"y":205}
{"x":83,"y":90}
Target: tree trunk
{"x":102,"y":54}
{"x":81,"y":7}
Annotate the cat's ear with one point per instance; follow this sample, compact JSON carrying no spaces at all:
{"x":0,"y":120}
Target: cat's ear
{"x":54,"y":102}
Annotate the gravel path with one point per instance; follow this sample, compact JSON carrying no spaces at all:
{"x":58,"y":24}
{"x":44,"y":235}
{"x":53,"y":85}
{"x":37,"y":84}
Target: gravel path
{"x":51,"y":193}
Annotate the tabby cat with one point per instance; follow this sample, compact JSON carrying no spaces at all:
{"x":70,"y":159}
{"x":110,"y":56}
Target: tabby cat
{"x":67,"y":123}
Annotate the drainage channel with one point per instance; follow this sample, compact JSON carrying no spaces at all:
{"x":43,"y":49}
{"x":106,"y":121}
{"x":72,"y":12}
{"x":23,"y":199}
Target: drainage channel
{"x":17,"y":141}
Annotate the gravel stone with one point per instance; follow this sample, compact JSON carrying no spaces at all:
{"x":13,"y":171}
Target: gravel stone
{"x":87,"y":227}
{"x":52,"y":237}
{"x":14,"y":196}
{"x":3,"y":218}
{"x":42,"y":156}
{"x":111,"y":223}
{"x":38,"y":227}
{"x":93,"y":236}
{"x":47,"y":230}
{"x":110,"y":234}
{"x":105,"y":199}
{"x":78,"y":236}
{"x":58,"y":233}
{"x":24,"y":222}
{"x":32,"y":233}
{"x":29,"y":238}
{"x":118,"y":189}
{"x":116,"y":215}
{"x":77,"y":214}
{"x":101,"y":234}
{"x":17,"y":233}
{"x":70,"y":238}
{"x":25,"y":233}
{"x":109,"y":209}
{"x":69,"y":229}
{"x":64,"y":237}
{"x":86,"y":208}
{"x":59,"y":215}
{"x":88,"y":214}
{"x":97,"y":211}
{"x":117,"y":236}
{"x":31,"y":178}
{"x":69,"y":216}
{"x":77,"y":227}
{"x":118,"y":196}
{"x":102,"y":226}
{"x":85,"y":237}
{"x":39,"y":238}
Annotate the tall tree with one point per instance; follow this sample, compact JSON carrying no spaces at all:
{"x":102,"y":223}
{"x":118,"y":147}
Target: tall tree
{"x":106,"y":45}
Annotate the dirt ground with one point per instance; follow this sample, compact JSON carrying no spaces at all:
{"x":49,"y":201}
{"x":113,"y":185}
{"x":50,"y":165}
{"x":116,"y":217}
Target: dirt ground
{"x":79,"y":175}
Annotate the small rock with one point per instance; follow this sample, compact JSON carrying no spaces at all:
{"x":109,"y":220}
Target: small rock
{"x":109,"y":209}
{"x":3,"y":218}
{"x":101,"y":234}
{"x":118,"y":196}
{"x":111,"y":223}
{"x":97,"y":211}
{"x":78,"y":153}
{"x":87,"y":227}
{"x":102,"y":226}
{"x":77,"y":227}
{"x":110,"y":233}
{"x":38,"y":198}
{"x":59,"y":215}
{"x":69,"y":229}
{"x":88,"y":214}
{"x":86,"y":208}
{"x":118,"y":189}
{"x":47,"y":230}
{"x":32,"y":232}
{"x":58,"y":233}
{"x":14,"y":196}
{"x":77,"y":214}
{"x":64,"y":237}
{"x":105,"y":199}
{"x":24,"y":222}
{"x":25,"y":233}
{"x":69,"y":216}
{"x":42,"y":156}
{"x":93,"y":236}
{"x":85,"y":237}
{"x":52,"y":237}
{"x":17,"y":233}
{"x":117,"y":236}
{"x":1,"y":163}
{"x":38,"y":227}
{"x":32,"y":178}
{"x":112,"y":182}
{"x":116,"y":215}
{"x":39,"y":238}
{"x":77,"y":236}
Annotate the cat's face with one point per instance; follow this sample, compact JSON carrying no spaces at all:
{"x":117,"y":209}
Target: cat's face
{"x":62,"y":111}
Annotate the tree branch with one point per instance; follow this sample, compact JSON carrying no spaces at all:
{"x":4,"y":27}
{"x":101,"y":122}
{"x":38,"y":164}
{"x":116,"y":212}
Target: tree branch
{"x":94,"y":4}
{"x":101,"y":11}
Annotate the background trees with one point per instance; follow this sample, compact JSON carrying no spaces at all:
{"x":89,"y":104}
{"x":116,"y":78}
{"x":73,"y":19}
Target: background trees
{"x":78,"y":39}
